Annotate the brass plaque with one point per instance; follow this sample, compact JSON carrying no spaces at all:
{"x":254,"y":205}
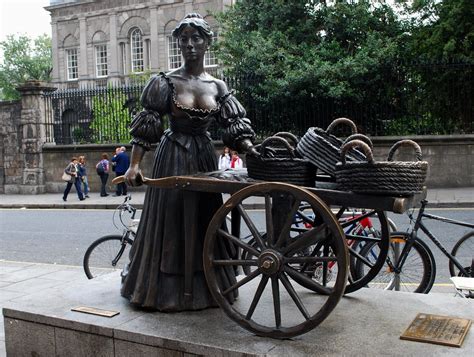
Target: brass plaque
{"x":95,"y":311}
{"x":441,"y":330}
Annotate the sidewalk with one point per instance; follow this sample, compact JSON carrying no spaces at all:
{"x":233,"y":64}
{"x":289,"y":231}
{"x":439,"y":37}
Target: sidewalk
{"x":438,"y":197}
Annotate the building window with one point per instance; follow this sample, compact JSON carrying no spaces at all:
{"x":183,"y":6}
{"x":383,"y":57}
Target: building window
{"x":72,"y":65}
{"x":101,"y":61}
{"x":174,"y":53}
{"x":136,"y":42}
{"x":210,"y":59}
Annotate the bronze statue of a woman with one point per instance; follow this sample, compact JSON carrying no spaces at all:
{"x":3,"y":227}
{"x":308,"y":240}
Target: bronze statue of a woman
{"x":191,"y":100}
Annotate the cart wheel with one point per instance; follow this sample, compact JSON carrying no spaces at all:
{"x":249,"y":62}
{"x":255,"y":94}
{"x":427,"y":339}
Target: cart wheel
{"x":362,"y":227}
{"x":276,"y":259}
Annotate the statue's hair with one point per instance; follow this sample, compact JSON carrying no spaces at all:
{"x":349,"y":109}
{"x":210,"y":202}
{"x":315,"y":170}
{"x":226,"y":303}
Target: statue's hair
{"x":195,"y":20}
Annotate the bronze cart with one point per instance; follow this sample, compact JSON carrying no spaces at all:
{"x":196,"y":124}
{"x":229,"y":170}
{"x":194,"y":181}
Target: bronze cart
{"x":273,"y":265}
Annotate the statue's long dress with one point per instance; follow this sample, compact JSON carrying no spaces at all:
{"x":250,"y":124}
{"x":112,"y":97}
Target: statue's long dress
{"x":154,"y":278}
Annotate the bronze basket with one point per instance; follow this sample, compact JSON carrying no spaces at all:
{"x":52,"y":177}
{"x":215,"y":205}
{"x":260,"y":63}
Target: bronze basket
{"x":395,"y":178}
{"x":282,"y":168}
{"x":321,"y":147}
{"x":277,"y":148}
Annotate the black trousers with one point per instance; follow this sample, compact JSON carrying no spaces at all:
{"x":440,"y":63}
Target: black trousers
{"x":77,"y":184}
{"x":121,"y":187}
{"x":103,"y":180}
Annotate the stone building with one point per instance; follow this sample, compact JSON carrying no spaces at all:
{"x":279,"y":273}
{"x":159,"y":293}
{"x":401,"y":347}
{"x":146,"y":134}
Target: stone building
{"x":100,"y":41}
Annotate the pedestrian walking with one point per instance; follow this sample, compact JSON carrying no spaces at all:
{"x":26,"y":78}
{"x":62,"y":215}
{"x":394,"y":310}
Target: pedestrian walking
{"x":122,"y":162}
{"x":103,"y":168}
{"x":72,"y":170}
{"x":82,"y":175}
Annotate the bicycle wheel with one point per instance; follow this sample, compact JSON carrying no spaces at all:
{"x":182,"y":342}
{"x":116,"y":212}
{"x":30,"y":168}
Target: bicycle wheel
{"x":463,"y":251}
{"x":417,"y":273}
{"x":105,"y":255}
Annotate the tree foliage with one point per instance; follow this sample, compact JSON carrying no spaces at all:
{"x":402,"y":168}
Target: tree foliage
{"x":23,"y":59}
{"x":352,"y":54}
{"x":311,"y":49}
{"x":111,"y":117}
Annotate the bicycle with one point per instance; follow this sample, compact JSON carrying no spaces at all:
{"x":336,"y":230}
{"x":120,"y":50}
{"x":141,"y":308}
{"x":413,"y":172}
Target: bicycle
{"x":105,"y":253}
{"x":410,"y":265}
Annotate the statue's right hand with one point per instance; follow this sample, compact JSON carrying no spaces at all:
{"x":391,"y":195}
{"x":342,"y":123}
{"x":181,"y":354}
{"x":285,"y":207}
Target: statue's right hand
{"x":133,"y":176}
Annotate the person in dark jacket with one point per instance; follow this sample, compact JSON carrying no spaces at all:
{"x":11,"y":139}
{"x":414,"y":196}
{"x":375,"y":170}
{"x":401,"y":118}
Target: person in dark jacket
{"x":122,"y":162}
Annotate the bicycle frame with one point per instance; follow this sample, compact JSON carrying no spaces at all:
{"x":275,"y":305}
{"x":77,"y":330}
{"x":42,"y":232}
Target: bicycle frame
{"x":420,"y":225}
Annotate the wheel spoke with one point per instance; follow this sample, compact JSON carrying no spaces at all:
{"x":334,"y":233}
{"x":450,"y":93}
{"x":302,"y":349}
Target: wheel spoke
{"x":285,"y":232}
{"x":340,"y":212}
{"x":304,"y":240}
{"x":276,"y":301}
{"x":356,"y":218}
{"x":251,"y":226}
{"x":298,"y":276}
{"x":269,"y":220}
{"x":238,"y":242}
{"x":360,"y":238}
{"x":291,"y":291}
{"x":242,"y":281}
{"x":305,"y":218}
{"x":256,"y":298}
{"x":244,"y":262}
{"x":309,"y":259}
{"x":360,"y":257}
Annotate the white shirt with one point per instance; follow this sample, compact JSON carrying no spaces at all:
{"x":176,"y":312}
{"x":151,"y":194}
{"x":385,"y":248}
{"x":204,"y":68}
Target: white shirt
{"x":224,"y":162}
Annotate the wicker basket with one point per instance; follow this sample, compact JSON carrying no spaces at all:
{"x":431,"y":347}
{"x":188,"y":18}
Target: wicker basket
{"x":277,"y":148}
{"x":287,"y":168}
{"x":396,"y":178}
{"x":321,"y":147}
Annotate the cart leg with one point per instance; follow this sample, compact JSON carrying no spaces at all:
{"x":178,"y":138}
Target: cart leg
{"x":190,"y":232}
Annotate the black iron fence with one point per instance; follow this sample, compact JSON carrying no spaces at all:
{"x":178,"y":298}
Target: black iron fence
{"x":413,"y":99}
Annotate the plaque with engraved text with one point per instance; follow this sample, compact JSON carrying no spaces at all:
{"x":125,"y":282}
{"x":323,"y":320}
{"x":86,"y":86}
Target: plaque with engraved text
{"x":441,"y":330}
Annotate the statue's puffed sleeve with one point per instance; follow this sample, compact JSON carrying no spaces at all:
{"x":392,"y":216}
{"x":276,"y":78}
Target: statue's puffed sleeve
{"x":233,"y":119}
{"x":146,"y":127}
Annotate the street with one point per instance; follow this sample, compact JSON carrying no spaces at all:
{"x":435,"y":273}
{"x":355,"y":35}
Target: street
{"x":62,"y":236}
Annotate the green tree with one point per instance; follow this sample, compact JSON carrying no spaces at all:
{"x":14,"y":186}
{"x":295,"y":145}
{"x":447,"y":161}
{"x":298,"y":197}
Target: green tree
{"x":333,"y":53}
{"x":111,"y":117}
{"x":443,"y":33}
{"x":23,"y":59}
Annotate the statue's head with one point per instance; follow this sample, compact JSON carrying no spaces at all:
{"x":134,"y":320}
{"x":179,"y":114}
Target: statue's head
{"x":194,"y":20}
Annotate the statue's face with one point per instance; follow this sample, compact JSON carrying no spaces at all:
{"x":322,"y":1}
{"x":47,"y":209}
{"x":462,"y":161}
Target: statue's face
{"x":192,"y":44}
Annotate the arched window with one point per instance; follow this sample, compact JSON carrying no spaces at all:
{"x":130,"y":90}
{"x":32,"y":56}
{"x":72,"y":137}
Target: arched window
{"x":136,"y":45}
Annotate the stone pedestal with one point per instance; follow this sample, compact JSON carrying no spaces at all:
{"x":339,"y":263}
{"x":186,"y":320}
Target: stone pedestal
{"x":368,"y":322}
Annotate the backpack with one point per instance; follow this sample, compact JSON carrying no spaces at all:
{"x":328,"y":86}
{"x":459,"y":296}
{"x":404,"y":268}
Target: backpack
{"x":100,"y":168}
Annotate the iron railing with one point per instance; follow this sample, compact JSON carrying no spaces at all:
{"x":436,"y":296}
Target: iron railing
{"x":413,"y":99}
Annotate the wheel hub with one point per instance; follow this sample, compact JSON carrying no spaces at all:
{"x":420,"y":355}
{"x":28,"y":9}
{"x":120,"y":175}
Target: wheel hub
{"x":269,"y":262}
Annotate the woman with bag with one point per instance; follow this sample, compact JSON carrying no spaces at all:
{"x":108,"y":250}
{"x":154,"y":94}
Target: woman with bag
{"x":72,"y":170}
{"x":102,"y":168}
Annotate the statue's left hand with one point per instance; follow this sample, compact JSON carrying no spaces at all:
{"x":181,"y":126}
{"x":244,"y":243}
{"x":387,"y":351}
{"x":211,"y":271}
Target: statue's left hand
{"x":251,"y":150}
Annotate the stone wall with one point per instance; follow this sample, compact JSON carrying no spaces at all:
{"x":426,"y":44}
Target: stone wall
{"x":449,"y":157}
{"x":11,"y":169}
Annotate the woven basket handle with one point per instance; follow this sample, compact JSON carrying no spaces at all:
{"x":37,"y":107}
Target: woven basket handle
{"x":276,"y":140}
{"x":357,"y":144}
{"x":394,"y":148}
{"x":290,"y":137}
{"x":360,"y":137}
{"x":339,"y":121}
